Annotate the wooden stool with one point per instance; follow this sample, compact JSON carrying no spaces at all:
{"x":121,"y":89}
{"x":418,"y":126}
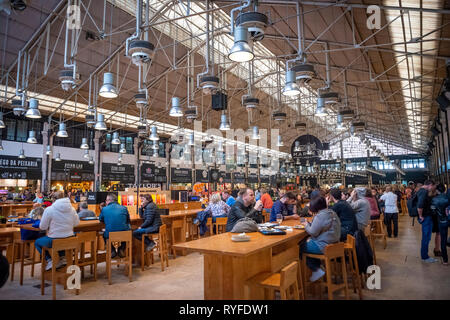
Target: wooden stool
{"x":71,"y":246}
{"x":163,"y":246}
{"x":285,"y":281}
{"x":350,"y":252}
{"x":332,"y":253}
{"x":120,"y":236}
{"x":221,"y":225}
{"x":19,"y":247}
{"x":146,"y":254}
{"x":178,"y":224}
{"x":91,"y":238}
{"x":377,"y":230}
{"x":368,"y":234}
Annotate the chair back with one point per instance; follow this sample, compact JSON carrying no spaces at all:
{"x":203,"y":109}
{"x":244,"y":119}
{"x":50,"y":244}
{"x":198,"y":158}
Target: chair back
{"x":87,"y":236}
{"x":120,"y":236}
{"x":334,"y":250}
{"x":288,"y":279}
{"x":178,"y":223}
{"x":351,"y":241}
{"x":71,"y":243}
{"x":163,"y":237}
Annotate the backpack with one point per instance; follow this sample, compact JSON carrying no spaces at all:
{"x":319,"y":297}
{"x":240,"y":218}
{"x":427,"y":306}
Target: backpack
{"x":412,"y":206}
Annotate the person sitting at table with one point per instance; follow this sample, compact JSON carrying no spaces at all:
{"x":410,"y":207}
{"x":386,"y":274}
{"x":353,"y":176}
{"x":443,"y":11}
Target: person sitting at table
{"x":228,"y":198}
{"x":59,"y":221}
{"x":286,"y":207}
{"x":302,"y":210}
{"x":85,"y":212}
{"x":152,"y":221}
{"x":245,"y":207}
{"x":266,"y":200}
{"x":39,"y":198}
{"x":325,"y":229}
{"x":217,"y":207}
{"x":36,"y":215}
{"x":116,"y":218}
{"x":344,"y":211}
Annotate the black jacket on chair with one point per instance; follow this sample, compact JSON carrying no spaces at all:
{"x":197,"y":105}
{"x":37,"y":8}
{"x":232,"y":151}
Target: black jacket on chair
{"x":364,"y":252}
{"x":152,"y":219}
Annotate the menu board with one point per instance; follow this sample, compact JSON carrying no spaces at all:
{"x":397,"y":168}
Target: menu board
{"x":202,"y":176}
{"x":252,"y":178}
{"x":113,"y":172}
{"x":151,"y":174}
{"x":265,"y":179}
{"x":226,"y":177}
{"x":14,"y":168}
{"x":214,"y":175}
{"x":180,"y":175}
{"x":238,"y":177}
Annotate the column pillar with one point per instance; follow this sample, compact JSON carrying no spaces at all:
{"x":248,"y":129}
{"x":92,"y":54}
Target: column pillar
{"x":45,"y":158}
{"x":136,"y":160}
{"x":97,"y":161}
{"x":342,"y":163}
{"x":168,"y":165}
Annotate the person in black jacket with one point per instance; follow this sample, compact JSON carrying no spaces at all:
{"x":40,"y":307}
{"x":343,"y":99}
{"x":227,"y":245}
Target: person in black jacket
{"x":439,"y":205}
{"x":152,"y":221}
{"x":244,"y":207}
{"x":345,"y":213}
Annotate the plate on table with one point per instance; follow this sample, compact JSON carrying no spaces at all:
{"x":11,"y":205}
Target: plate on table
{"x":242,"y":237}
{"x":281,"y":227}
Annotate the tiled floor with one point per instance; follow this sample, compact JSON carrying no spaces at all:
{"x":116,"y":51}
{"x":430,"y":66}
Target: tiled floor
{"x":403,"y":276}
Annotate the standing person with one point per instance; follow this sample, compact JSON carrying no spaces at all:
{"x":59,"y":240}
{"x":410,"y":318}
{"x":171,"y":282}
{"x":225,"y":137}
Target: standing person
{"x":228,"y":198}
{"x":152,"y":221}
{"x":439,"y":205}
{"x":390,"y":211}
{"x":266,"y":199}
{"x":59,"y":221}
{"x":374,"y":211}
{"x":286,"y":207}
{"x":435,"y":229}
{"x":361,"y":206}
{"x":245,"y":207}
{"x":116,"y":218}
{"x":344,"y":211}
{"x":399,"y":194}
{"x":425,"y":219}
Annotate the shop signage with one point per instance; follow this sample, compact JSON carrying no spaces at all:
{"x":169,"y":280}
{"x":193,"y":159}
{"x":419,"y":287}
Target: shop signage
{"x":214,"y":176}
{"x":72,"y":166}
{"x":202,"y":175}
{"x":226,"y":177}
{"x":113,"y":172}
{"x":180,"y":175}
{"x":151,"y":174}
{"x":252,"y":178}
{"x":238,"y":177}
{"x":15,"y":168}
{"x":306,"y":147}
{"x":265,"y":179}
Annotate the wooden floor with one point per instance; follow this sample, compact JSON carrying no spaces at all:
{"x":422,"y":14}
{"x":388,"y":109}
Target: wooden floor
{"x":403,"y":276}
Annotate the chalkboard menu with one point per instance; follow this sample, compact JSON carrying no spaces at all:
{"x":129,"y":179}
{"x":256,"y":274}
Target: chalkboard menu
{"x":214,"y":175}
{"x":202,"y":176}
{"x":15,"y":168}
{"x":238,"y":177}
{"x":152,"y":174}
{"x":252,"y":178}
{"x":72,"y":170}
{"x":113,"y":172}
{"x":180,"y":175}
{"x":226,"y":177}
{"x":265,"y":179}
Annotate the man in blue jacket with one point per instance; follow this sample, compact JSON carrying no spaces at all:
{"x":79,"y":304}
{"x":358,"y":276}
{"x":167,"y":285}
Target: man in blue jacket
{"x":152,"y":221}
{"x":116,"y":218}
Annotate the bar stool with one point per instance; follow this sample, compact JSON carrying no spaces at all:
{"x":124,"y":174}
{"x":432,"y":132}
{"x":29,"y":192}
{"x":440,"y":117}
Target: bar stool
{"x":377,"y":230}
{"x":350,"y":252}
{"x":221,"y":224}
{"x":19,"y":247}
{"x":91,"y":238}
{"x":333,"y":254}
{"x":285,"y":281}
{"x":163,"y":246}
{"x":177,"y":224}
{"x":71,"y":246}
{"x":146,"y":254}
{"x":120,"y":236}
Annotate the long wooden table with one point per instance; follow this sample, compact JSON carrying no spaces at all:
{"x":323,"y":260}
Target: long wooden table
{"x":8,"y":208}
{"x":228,"y":264}
{"x":7,"y":236}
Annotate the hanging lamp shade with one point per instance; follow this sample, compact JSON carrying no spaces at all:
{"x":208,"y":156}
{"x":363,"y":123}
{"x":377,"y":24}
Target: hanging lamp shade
{"x":2,"y":123}
{"x":154,"y":133}
{"x":84,"y":144}
{"x":58,"y":157}
{"x":122,"y":148}
{"x":255,"y":133}
{"x":241,"y":51}
{"x":86,"y":154}
{"x":155,"y":153}
{"x":100,"y":124}
{"x":62,"y":132}
{"x":33,"y":110}
{"x":280,"y":142}
{"x":175,"y":110}
{"x":340,"y":125}
{"x":108,"y":90}
{"x":91,"y":160}
{"x":32,"y":137}
{"x":291,"y":88}
{"x":224,"y":125}
{"x":22,"y":154}
{"x":320,"y":109}
{"x":155,"y":145}
{"x":49,"y":150}
{"x":115,"y":138}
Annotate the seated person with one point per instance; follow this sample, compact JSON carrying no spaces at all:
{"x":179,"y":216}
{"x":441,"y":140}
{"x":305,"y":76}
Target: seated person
{"x":59,"y":221}
{"x":217,"y":207}
{"x":245,"y":207}
{"x":32,"y":212}
{"x":228,"y":198}
{"x":285,"y":207}
{"x":85,"y":212}
{"x":266,"y":199}
{"x":324,"y":230}
{"x":344,"y":211}
{"x":152,"y":221}
{"x":116,"y":218}
{"x":36,"y":215}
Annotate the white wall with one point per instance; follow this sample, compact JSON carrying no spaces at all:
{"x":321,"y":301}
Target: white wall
{"x":12,"y":148}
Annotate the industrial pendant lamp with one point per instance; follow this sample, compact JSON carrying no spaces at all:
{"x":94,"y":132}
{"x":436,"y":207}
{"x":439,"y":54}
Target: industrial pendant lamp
{"x":154,"y":133}
{"x":320,"y":109}
{"x":280,"y":142}
{"x":2,"y":123}
{"x":241,"y":51}
{"x":255,"y":134}
{"x":91,"y":160}
{"x":86,"y":154}
{"x":84,"y":144}
{"x":175,"y":110}
{"x":119,"y":160}
{"x":58,"y":157}
{"x":224,"y":125}
{"x":340,"y":125}
{"x":33,"y":111}
{"x":155,"y":145}
{"x":291,"y":88}
{"x":155,"y":154}
{"x":22,"y":154}
{"x":122,"y":148}
{"x":32,"y":137}
{"x":191,"y":140}
{"x":108,"y":90}
{"x":115,"y":138}
{"x":49,"y":150}
{"x":62,"y":132}
{"x":100,"y":125}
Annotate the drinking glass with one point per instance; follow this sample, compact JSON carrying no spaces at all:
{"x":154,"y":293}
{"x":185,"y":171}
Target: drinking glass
{"x":279,"y":218}
{"x":185,"y":207}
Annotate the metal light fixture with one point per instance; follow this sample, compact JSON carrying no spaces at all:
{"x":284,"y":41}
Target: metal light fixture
{"x":122,"y":148}
{"x":84,"y":144}
{"x":320,"y":109}
{"x":155,"y":145}
{"x":91,"y":160}
{"x":280,"y":142}
{"x":58,"y":157}
{"x":340,"y":125}
{"x":241,"y":51}
{"x":62,"y":132}
{"x":49,"y":150}
{"x":224,"y":125}
{"x":32,"y":137}
{"x":291,"y":88}
{"x":33,"y":110}
{"x":22,"y":154}
{"x":155,"y":154}
{"x":108,"y":90}
{"x":176,"y":111}
{"x":86,"y":154}
{"x":191,"y":140}
{"x":154,"y":134}
{"x":115,"y":138}
{"x":100,"y":124}
{"x":2,"y":123}
{"x":255,"y":134}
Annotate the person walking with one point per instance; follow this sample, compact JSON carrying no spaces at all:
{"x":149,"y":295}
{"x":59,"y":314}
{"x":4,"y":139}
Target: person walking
{"x":390,"y":211}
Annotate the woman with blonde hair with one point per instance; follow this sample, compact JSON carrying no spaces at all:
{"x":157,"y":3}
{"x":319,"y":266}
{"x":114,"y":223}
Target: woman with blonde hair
{"x":217,"y":207}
